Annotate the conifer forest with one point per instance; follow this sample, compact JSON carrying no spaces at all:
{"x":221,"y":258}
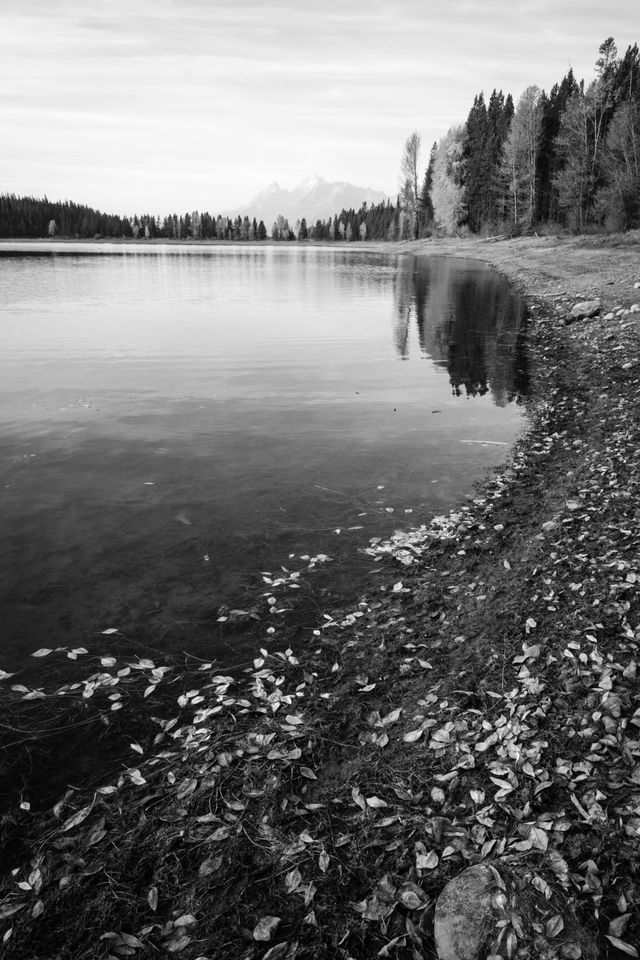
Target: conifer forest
{"x":563,"y":160}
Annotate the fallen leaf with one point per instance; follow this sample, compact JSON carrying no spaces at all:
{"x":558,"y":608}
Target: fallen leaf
{"x":265,"y":927}
{"x":413,"y":735}
{"x":621,"y":945}
{"x":76,"y":819}
{"x":278,"y":951}
{"x":554,"y":926}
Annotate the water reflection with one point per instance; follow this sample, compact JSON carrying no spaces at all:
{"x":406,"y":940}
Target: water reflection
{"x":173,"y":423}
{"x":469,"y":320}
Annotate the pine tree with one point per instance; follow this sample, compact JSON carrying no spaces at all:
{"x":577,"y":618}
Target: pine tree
{"x":425,"y":206}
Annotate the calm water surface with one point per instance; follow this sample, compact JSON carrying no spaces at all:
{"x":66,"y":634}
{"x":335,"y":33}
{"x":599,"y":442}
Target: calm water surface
{"x":176,"y":424}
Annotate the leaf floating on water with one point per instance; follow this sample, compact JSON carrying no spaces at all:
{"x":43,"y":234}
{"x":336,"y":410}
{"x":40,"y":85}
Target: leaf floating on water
{"x":42,"y":652}
{"x":110,"y":630}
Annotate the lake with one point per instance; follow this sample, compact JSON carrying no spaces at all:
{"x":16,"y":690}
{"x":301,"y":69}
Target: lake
{"x":181,"y":425}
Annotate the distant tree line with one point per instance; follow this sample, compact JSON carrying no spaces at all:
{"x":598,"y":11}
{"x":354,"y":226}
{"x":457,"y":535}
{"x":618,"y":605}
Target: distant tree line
{"x":28,"y":217}
{"x":25,"y":217}
{"x":569,"y":159}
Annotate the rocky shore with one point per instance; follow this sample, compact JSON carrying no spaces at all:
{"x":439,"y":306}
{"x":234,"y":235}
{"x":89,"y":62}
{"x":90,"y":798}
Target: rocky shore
{"x":453,"y":770}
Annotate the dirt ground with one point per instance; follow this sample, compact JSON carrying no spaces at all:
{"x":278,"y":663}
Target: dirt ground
{"x":480,"y":708}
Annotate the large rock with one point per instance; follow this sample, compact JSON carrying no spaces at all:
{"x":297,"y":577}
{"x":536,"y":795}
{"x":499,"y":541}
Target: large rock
{"x":464,"y":916}
{"x":584,"y":310}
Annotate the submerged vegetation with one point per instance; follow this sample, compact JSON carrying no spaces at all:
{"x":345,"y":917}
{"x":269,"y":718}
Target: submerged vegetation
{"x":480,"y":707}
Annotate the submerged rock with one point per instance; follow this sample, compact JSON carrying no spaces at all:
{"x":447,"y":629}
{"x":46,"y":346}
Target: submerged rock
{"x":463,"y":917}
{"x":584,"y":310}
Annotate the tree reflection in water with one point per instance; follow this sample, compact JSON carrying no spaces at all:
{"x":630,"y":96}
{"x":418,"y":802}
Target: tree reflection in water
{"x":469,"y":319}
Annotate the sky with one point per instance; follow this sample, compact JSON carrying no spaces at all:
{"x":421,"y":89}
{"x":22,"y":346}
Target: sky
{"x":164,"y":106}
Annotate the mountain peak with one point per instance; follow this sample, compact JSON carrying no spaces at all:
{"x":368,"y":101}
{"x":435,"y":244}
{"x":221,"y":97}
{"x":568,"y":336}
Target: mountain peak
{"x":314,"y":198}
{"x":311,"y":182}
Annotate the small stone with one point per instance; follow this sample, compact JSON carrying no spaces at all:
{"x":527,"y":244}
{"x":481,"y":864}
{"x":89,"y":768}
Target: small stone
{"x":549,"y":525}
{"x":627,"y":366}
{"x":584,"y":310}
{"x":636,"y":285}
{"x":634,"y":308}
{"x":608,"y":316}
{"x":463,"y":917}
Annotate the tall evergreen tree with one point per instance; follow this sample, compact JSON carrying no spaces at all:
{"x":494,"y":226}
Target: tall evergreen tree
{"x":425,"y":205}
{"x":550,"y":161}
{"x":477,"y":174}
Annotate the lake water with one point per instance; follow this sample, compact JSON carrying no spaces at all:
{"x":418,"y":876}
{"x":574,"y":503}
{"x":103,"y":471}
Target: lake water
{"x":178,"y":423}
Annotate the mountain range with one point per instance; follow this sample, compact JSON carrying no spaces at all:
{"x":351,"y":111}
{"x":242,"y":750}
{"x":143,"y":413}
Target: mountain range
{"x":313,"y":198}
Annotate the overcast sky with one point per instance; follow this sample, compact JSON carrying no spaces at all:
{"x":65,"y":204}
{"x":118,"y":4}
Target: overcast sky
{"x":173,"y":105}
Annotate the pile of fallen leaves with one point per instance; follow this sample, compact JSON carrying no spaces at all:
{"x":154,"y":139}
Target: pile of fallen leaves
{"x":482,"y":707}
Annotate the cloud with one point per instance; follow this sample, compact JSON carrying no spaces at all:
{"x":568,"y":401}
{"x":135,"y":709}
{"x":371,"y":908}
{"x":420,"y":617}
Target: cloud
{"x":223,"y":97}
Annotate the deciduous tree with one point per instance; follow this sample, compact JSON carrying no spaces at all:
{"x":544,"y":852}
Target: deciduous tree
{"x":519,"y":164}
{"x":409,"y":196}
{"x":447,"y":192}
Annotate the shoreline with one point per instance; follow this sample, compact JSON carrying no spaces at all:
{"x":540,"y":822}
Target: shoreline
{"x":479,"y":709}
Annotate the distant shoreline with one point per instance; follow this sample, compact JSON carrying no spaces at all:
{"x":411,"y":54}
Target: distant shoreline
{"x":163,"y":241}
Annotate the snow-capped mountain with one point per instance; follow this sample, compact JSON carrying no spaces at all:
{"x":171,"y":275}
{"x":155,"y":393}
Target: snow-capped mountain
{"x":313,"y":198}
